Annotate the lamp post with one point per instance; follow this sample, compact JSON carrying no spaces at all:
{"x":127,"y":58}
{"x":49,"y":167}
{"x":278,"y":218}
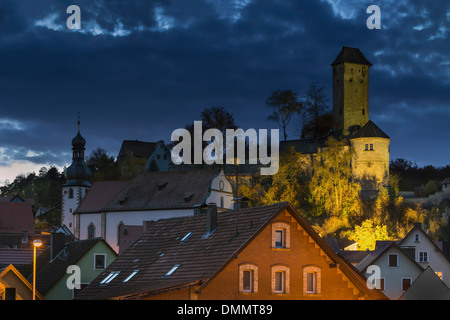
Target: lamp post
{"x":36,"y":243}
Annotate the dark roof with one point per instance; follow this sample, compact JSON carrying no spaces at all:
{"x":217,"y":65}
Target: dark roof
{"x":375,"y":254}
{"x":99,"y":195}
{"x":164,"y":190}
{"x":354,"y":256}
{"x":136,"y":148}
{"x":427,"y":286}
{"x":49,"y":272}
{"x":353,"y":55}
{"x":200,"y":258}
{"x":16,"y":217}
{"x":17,"y":256}
{"x":445,"y":181}
{"x":370,"y":130}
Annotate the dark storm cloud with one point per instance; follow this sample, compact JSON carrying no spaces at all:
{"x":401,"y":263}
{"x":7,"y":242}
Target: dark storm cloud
{"x":140,"y":69}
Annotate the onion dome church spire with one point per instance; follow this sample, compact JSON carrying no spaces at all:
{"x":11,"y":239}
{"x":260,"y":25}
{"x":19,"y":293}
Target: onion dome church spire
{"x":78,"y":173}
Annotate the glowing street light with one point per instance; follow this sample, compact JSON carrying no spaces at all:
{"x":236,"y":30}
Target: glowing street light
{"x":36,"y":243}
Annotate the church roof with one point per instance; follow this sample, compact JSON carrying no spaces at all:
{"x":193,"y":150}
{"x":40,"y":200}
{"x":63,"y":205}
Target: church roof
{"x":370,"y":130}
{"x":353,"y":55}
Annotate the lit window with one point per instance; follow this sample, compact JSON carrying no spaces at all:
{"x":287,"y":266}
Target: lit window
{"x":312,"y":282}
{"x":248,"y":278}
{"x":131,"y":275}
{"x":110,"y":277}
{"x":423,"y":256}
{"x":393,"y":260}
{"x":99,"y":261}
{"x":175,"y":267}
{"x":439,"y":274}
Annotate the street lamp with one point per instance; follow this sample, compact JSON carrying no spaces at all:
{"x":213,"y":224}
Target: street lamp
{"x":36,"y":243}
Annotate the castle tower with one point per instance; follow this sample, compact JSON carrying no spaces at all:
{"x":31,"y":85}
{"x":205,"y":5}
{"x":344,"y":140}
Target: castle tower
{"x":350,"y":90}
{"x":77,"y":185}
{"x":370,"y":160}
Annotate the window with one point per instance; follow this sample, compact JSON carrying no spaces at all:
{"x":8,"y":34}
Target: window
{"x":406,"y":283}
{"x":70,"y":193}
{"x":366,"y":147}
{"x":99,"y":261}
{"x":312,"y":283}
{"x":91,"y":231}
{"x":248,"y":278}
{"x":279,"y":238}
{"x":280,"y":279}
{"x":169,"y":273}
{"x":379,"y":283}
{"x":371,"y":147}
{"x":416,"y":237}
{"x":439,"y":274}
{"x":131,"y":276}
{"x":221,"y":201}
{"x":280,"y":235}
{"x":187,"y":236}
{"x":110,"y":277}
{"x":363,"y":111}
{"x":423,"y":256}
{"x":393,"y":260}
{"x":10,"y":293}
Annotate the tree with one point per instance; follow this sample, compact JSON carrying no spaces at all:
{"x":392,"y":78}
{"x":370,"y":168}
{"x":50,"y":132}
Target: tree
{"x":367,"y":234}
{"x":217,"y":118}
{"x":103,"y":166}
{"x":332,"y":191}
{"x":284,"y":105}
{"x":315,"y":106}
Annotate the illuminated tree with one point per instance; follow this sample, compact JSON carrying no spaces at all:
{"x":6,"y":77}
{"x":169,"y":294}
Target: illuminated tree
{"x":367,"y":234}
{"x":332,"y":191}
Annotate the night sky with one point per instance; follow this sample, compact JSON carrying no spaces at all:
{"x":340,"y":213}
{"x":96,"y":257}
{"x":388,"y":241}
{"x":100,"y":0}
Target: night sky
{"x":141,"y":69}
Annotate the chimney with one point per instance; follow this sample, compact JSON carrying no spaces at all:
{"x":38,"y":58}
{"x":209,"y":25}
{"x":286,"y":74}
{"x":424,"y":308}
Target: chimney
{"x":57,"y":243}
{"x":211,"y":218}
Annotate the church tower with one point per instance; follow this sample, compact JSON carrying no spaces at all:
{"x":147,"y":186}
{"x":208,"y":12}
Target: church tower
{"x":77,"y":185}
{"x":350,"y":90}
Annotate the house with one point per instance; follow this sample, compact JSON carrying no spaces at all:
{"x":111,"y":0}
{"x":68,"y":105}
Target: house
{"x":397,"y":269}
{"x":136,"y":156}
{"x":91,"y":256}
{"x":14,"y":286}
{"x":254,"y":253}
{"x":149,"y":196}
{"x":428,"y":286}
{"x":426,"y":252}
{"x":16,"y":224}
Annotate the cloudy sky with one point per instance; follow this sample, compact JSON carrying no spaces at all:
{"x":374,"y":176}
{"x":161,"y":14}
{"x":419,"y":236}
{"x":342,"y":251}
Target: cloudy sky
{"x":139,"y":69}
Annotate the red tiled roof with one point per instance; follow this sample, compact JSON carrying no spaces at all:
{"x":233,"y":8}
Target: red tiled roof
{"x":16,"y":217}
{"x":99,"y":195}
{"x":200,"y":258}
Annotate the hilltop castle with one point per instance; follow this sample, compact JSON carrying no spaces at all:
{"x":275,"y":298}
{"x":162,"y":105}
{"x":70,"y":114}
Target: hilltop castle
{"x":368,"y":143}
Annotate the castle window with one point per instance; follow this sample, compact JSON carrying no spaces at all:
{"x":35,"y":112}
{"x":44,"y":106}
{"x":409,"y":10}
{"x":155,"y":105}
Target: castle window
{"x":70,"y":193}
{"x":363,"y":111}
{"x":366,"y":147}
{"x":371,"y":147}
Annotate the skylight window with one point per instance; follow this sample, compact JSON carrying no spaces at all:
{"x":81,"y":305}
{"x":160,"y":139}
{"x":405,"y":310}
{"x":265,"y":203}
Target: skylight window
{"x":131,"y":275}
{"x":175,"y":267}
{"x":110,"y":277}
{"x":187,"y":236}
